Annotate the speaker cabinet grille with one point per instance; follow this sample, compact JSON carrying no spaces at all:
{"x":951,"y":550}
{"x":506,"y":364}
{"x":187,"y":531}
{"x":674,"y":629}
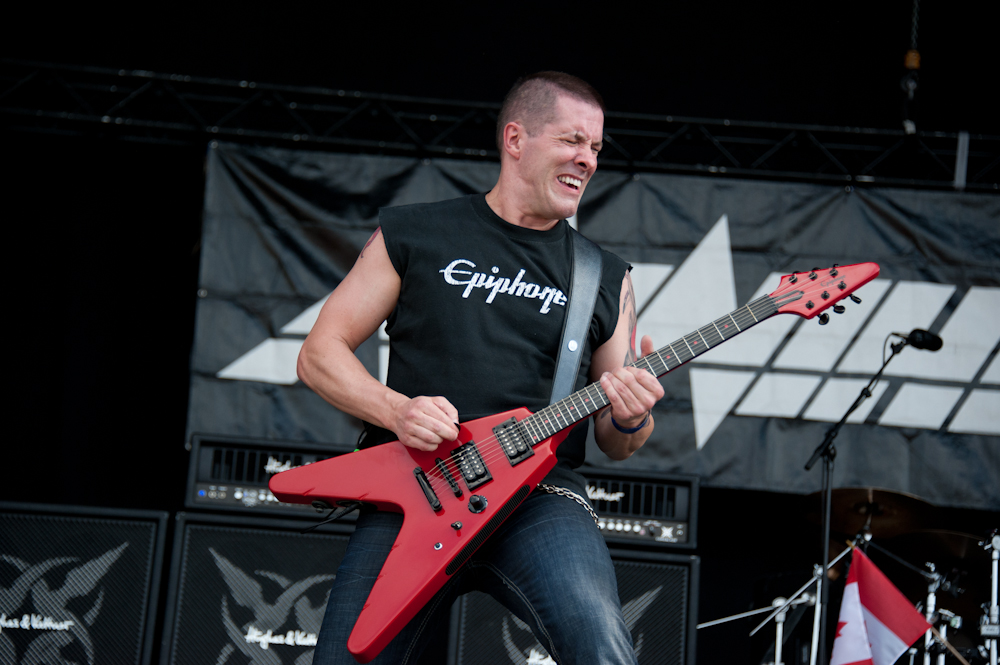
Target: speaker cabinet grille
{"x":78,"y":585}
{"x":659,"y":598}
{"x":248,"y":590}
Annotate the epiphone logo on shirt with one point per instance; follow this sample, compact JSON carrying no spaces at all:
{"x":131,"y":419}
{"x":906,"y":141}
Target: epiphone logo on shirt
{"x":455,"y":274}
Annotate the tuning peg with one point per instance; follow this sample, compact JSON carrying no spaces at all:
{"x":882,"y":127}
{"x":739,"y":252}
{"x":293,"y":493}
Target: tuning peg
{"x":856,"y":299}
{"x":839,"y":309}
{"x":824,"y":319}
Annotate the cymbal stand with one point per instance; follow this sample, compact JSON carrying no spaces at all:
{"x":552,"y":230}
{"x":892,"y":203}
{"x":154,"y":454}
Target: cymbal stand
{"x":933,"y":583}
{"x":946,"y":619}
{"x":782,"y":606}
{"x":780,"y":610}
{"x":828,"y":453}
{"x":990,"y":627}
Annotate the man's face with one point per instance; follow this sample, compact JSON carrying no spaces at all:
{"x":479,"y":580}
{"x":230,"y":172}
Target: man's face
{"x":558,"y":159}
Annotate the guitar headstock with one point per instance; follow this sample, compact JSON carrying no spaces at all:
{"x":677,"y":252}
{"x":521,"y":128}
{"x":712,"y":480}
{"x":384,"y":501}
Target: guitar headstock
{"x":809,"y":293}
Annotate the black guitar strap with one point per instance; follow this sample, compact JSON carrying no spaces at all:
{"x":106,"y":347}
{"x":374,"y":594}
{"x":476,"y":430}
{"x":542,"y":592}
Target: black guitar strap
{"x":585,"y":280}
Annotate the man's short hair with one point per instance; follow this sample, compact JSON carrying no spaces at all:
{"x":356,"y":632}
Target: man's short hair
{"x":532,"y":100}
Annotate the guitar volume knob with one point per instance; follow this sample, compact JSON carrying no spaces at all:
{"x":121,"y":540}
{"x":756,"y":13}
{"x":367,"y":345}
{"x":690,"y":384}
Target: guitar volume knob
{"x":477,"y":503}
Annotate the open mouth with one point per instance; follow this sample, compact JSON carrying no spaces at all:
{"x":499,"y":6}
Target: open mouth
{"x":570,"y":181}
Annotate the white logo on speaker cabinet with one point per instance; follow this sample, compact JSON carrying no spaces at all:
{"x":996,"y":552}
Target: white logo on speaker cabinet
{"x":40,"y":612}
{"x":268,"y":626}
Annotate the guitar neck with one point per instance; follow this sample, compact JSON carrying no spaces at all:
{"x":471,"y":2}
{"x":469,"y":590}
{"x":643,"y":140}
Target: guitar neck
{"x":587,"y":401}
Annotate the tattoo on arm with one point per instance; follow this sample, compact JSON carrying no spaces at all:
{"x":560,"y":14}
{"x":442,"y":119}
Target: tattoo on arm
{"x":628,"y":309}
{"x":370,"y":241}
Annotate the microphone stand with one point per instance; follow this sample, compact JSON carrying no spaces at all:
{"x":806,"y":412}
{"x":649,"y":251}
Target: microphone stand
{"x":828,"y":453}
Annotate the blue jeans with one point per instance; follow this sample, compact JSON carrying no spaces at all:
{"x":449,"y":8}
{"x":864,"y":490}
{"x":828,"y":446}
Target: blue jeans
{"x":548,"y":564}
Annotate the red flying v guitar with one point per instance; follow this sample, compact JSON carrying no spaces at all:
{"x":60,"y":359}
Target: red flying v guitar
{"x":455,"y":497}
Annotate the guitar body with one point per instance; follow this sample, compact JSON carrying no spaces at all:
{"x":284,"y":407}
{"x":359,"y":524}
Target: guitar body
{"x":428,"y":550}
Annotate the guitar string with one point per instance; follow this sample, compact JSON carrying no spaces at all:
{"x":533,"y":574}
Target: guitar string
{"x":557,"y":414}
{"x":535,"y":428}
{"x":490,"y":450}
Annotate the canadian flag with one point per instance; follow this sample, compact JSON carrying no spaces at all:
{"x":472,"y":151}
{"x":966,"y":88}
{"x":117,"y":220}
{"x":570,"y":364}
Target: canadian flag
{"x":877,"y":623}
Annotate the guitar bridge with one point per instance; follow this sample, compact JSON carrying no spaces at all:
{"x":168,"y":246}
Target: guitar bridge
{"x":471,"y":464}
{"x":512,"y":441}
{"x":429,"y":493}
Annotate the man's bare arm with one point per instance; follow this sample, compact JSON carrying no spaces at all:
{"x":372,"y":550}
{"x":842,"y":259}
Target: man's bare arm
{"x":632,"y":392}
{"x":327,"y":363}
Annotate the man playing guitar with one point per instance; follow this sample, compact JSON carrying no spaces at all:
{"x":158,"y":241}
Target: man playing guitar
{"x":473,"y":292}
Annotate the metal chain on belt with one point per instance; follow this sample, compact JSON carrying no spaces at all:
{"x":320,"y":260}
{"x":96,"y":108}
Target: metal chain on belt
{"x":561,"y":491}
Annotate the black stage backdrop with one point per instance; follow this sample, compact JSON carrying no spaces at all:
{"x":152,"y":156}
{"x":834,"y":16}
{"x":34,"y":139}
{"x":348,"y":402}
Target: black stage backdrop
{"x":281,"y":229}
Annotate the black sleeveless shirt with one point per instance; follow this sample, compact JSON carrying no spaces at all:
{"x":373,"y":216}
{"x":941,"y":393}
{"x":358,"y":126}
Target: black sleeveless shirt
{"x":480,"y":313}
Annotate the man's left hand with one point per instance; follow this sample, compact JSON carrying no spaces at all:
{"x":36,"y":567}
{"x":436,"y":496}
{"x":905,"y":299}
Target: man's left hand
{"x":631,"y":391}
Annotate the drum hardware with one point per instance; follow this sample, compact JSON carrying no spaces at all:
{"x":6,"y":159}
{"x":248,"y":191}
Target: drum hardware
{"x":989,"y":624}
{"x":779,"y":610}
{"x":882,"y":513}
{"x":780,"y":607}
{"x":935,"y":641}
{"x":957,"y":578}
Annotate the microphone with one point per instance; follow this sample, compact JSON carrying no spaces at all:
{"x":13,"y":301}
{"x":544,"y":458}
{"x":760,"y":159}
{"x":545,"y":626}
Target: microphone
{"x":921,"y":339}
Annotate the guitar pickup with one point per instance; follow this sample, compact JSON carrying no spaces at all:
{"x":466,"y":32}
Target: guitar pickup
{"x":447,"y":476}
{"x":511,"y":438}
{"x":428,"y":490}
{"x":471,"y":465}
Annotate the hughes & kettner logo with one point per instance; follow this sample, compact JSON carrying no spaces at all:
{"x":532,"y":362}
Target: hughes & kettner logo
{"x":48,"y":608}
{"x":273,"y":466}
{"x":601,"y":494}
{"x":269,"y":627}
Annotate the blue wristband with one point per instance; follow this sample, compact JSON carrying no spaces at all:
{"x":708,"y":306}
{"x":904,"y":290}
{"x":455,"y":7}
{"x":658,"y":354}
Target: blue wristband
{"x":630,"y":430}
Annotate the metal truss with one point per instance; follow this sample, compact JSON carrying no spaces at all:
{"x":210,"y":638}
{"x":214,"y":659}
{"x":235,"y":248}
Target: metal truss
{"x":148,"y":106}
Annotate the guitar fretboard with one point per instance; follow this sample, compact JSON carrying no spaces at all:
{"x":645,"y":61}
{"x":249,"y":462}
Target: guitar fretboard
{"x":587,"y":401}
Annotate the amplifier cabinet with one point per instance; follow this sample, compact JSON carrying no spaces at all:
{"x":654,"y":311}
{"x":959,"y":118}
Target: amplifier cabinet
{"x":78,"y":585}
{"x":248,"y":589}
{"x":231,"y":474}
{"x":659,"y":595}
{"x":644,"y":508}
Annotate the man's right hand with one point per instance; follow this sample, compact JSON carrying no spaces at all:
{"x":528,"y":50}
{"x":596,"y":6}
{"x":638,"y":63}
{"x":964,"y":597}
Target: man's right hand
{"x":424,"y":422}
